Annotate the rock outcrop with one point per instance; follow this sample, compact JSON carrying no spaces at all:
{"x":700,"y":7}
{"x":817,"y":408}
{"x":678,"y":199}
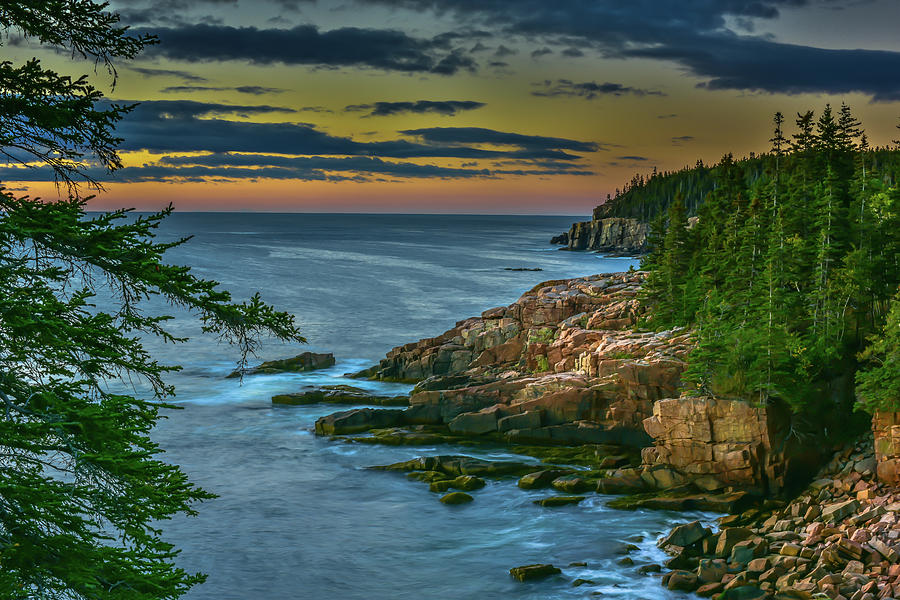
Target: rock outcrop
{"x":717,"y":443}
{"x":560,"y":365}
{"x":337,"y":394}
{"x":886,"y":430}
{"x":612,"y":234}
{"x":308,"y":361}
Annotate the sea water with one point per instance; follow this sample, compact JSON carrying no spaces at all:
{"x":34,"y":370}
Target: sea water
{"x":301,"y":517}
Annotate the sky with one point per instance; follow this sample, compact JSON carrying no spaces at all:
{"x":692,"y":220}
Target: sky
{"x":465,"y":106}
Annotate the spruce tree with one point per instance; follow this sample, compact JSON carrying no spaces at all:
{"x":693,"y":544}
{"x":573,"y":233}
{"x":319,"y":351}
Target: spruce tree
{"x":82,"y":486}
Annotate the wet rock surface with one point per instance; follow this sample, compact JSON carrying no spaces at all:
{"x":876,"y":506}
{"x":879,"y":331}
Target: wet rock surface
{"x":308,"y":361}
{"x":565,"y":376}
{"x":562,"y":365}
{"x":337,"y":394}
{"x":529,"y":572}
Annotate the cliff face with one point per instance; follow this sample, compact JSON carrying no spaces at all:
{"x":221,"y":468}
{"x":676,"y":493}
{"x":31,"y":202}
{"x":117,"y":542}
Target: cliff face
{"x":625,"y":236}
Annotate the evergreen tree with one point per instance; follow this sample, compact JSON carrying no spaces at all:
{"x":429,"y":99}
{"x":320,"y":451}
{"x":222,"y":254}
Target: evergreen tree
{"x":878,"y":385}
{"x":82,"y":486}
{"x":790,"y":269}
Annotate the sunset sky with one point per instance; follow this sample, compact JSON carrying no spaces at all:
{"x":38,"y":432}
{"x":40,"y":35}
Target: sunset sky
{"x":466,"y":106}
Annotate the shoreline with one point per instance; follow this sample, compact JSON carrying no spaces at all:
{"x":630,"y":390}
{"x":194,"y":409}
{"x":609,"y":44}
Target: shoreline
{"x":563,"y":376}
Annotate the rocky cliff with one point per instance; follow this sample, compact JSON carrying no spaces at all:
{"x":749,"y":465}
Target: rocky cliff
{"x":565,"y":364}
{"x":613,"y":235}
{"x":561,"y":364}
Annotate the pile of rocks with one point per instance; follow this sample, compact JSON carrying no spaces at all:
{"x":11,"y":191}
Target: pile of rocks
{"x":840,"y":538}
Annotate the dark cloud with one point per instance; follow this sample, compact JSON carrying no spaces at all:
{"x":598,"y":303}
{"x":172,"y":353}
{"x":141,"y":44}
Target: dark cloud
{"x":478,"y":47}
{"x":453,"y":62}
{"x":504,"y":51}
{"x":182,"y":110}
{"x":742,"y":63}
{"x":257,"y":166}
{"x":183,"y":75}
{"x":443,"y":107}
{"x":633,"y":158}
{"x":305,"y":45}
{"x":186,"y":126}
{"x":572,"y":52}
{"x":167,"y":12}
{"x":693,"y":34}
{"x":255,"y":90}
{"x":668,"y":116}
{"x":541,"y":52}
{"x":682,"y":139}
{"x":480,"y":135}
{"x":588,"y":89}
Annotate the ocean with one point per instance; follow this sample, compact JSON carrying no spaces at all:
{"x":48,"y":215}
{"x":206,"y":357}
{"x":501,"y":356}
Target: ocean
{"x":300,"y":517}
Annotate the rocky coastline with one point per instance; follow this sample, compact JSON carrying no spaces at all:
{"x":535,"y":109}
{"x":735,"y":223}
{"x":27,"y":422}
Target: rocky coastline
{"x":566,"y":375}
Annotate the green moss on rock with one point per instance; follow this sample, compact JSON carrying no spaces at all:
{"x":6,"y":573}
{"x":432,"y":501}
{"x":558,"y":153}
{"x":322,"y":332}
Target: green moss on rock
{"x":456,"y":498}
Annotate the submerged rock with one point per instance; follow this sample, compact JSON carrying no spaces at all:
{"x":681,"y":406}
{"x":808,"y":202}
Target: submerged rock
{"x":456,"y":498}
{"x":460,"y":465}
{"x":553,"y":501}
{"x":338,"y":394}
{"x":685,"y":535}
{"x":541,"y":479}
{"x":357,"y":420}
{"x":308,"y":361}
{"x":538,"y":571}
{"x":466,"y":483}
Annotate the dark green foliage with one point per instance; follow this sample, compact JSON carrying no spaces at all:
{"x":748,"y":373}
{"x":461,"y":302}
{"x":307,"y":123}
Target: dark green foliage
{"x":80,"y":481}
{"x":878,"y":383}
{"x":82,"y":487}
{"x":53,"y":118}
{"x":789,"y":270}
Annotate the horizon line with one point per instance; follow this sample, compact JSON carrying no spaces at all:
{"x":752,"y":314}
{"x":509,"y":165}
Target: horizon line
{"x":268,"y":212}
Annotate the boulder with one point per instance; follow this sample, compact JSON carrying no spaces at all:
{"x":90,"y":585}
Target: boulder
{"x":307,"y":361}
{"x":456,"y":498}
{"x":730,"y":536}
{"x":839,"y":510}
{"x":530,"y":419}
{"x":467,"y":483}
{"x":359,"y":419}
{"x":553,"y":501}
{"x":744,"y":592}
{"x":338,"y":394}
{"x":530,"y":572}
{"x":541,"y":479}
{"x":475,"y":423}
{"x":572,"y":484}
{"x":680,"y":581}
{"x":685,"y":535}
{"x":711,"y":570}
{"x":622,"y":482}
{"x":460,"y":465}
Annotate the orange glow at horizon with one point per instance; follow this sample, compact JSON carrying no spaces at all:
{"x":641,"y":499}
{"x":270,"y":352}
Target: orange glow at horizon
{"x":508,"y":196}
